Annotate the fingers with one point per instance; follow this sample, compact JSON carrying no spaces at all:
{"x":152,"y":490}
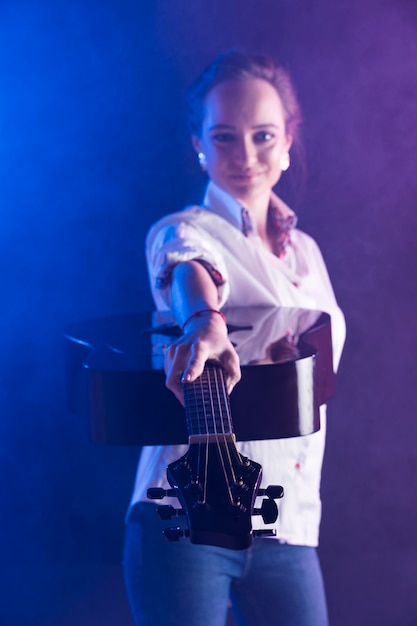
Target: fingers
{"x":173,"y":383}
{"x":174,"y":373}
{"x":195,"y":364}
{"x":185,"y":363}
{"x":181,"y":370}
{"x":231,"y":365}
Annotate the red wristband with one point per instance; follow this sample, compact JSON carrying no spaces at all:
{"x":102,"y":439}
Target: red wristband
{"x":201,"y":313}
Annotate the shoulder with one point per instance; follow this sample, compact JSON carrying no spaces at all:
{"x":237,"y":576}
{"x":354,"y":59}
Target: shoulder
{"x":190,"y":213}
{"x":192,"y":219}
{"x":306,"y":249}
{"x":301,"y":238}
{"x":171,"y":222}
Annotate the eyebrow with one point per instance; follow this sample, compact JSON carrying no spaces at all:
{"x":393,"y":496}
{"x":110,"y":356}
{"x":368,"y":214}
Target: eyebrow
{"x":231,"y":127}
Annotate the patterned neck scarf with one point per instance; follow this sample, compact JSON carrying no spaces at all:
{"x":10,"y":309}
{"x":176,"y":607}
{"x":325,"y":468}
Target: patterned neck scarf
{"x":281,"y":221}
{"x":281,"y":225}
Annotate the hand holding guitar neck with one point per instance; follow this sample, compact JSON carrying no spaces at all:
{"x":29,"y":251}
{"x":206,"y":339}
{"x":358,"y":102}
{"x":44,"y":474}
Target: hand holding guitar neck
{"x":205,"y":337}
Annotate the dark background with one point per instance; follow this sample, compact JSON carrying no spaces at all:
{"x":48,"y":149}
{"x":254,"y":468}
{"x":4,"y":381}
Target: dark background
{"x":93,"y":149}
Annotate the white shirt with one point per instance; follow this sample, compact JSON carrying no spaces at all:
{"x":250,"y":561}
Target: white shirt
{"x":250,"y":275}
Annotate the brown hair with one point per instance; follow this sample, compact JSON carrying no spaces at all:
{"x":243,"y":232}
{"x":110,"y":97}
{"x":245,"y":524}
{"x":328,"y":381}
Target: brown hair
{"x":239,"y":66}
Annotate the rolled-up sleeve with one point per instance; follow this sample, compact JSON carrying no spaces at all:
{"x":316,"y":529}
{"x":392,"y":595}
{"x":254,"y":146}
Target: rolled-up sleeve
{"x":174,"y":240}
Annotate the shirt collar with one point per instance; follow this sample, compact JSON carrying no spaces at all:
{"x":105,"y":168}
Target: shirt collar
{"x":223,"y":204}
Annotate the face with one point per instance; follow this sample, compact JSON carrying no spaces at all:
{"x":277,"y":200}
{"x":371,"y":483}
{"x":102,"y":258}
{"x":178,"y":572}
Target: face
{"x":244,"y":138}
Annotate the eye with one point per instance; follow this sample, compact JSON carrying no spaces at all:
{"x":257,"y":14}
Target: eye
{"x":222,"y":137}
{"x":263,"y":136}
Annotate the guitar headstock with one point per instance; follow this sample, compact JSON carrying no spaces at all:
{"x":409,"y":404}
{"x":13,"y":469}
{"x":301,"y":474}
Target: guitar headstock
{"x":217,"y":489}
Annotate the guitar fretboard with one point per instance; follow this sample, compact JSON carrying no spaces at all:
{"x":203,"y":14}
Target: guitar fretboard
{"x":207,"y":404}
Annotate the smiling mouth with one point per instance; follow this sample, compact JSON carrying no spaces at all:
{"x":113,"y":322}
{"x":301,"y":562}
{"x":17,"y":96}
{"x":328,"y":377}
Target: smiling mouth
{"x":246,"y":176}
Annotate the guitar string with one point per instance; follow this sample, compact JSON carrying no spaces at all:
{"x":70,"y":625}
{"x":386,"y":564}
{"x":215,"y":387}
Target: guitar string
{"x":199,"y":445}
{"x":205,"y":391}
{"x":194,"y":425}
{"x":224,"y":458}
{"x":229,"y":416}
{"x":207,"y":442}
{"x":209,"y":385}
{"x":222,"y":401}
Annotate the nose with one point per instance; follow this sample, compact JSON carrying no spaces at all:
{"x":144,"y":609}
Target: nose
{"x":245,"y":153}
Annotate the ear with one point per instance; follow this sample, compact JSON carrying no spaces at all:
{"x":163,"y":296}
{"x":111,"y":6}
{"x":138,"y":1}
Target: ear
{"x":196,"y":143}
{"x":288,"y":142}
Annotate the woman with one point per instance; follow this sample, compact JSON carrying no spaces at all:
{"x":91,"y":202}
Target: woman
{"x":240,"y":248}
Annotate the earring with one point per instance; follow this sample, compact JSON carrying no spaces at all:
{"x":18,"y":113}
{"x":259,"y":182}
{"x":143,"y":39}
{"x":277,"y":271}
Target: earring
{"x":202,"y":160}
{"x":285,"y":162}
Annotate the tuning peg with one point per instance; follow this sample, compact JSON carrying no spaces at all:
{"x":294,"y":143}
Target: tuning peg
{"x":167,"y":511}
{"x":268,"y":510}
{"x":272,"y":491}
{"x":265,"y":532}
{"x":175,"y":533}
{"x":157,"y":493}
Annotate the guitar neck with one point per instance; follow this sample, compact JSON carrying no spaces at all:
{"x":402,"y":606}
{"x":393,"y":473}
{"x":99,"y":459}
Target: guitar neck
{"x":207,"y":407}
{"x":216,"y":486}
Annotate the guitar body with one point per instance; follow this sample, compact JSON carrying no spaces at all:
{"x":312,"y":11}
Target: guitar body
{"x":115,"y":376}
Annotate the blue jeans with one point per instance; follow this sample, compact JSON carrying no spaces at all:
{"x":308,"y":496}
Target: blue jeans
{"x":184,"y":584}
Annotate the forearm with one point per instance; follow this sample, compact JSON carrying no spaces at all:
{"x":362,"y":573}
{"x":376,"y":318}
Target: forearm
{"x":192,"y":290}
{"x":204,"y":336}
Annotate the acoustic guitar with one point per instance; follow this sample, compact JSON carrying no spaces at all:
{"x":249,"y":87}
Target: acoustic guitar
{"x":115,"y":376}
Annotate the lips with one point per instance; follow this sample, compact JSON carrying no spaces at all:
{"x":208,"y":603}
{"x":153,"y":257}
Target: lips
{"x":246,"y":177}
